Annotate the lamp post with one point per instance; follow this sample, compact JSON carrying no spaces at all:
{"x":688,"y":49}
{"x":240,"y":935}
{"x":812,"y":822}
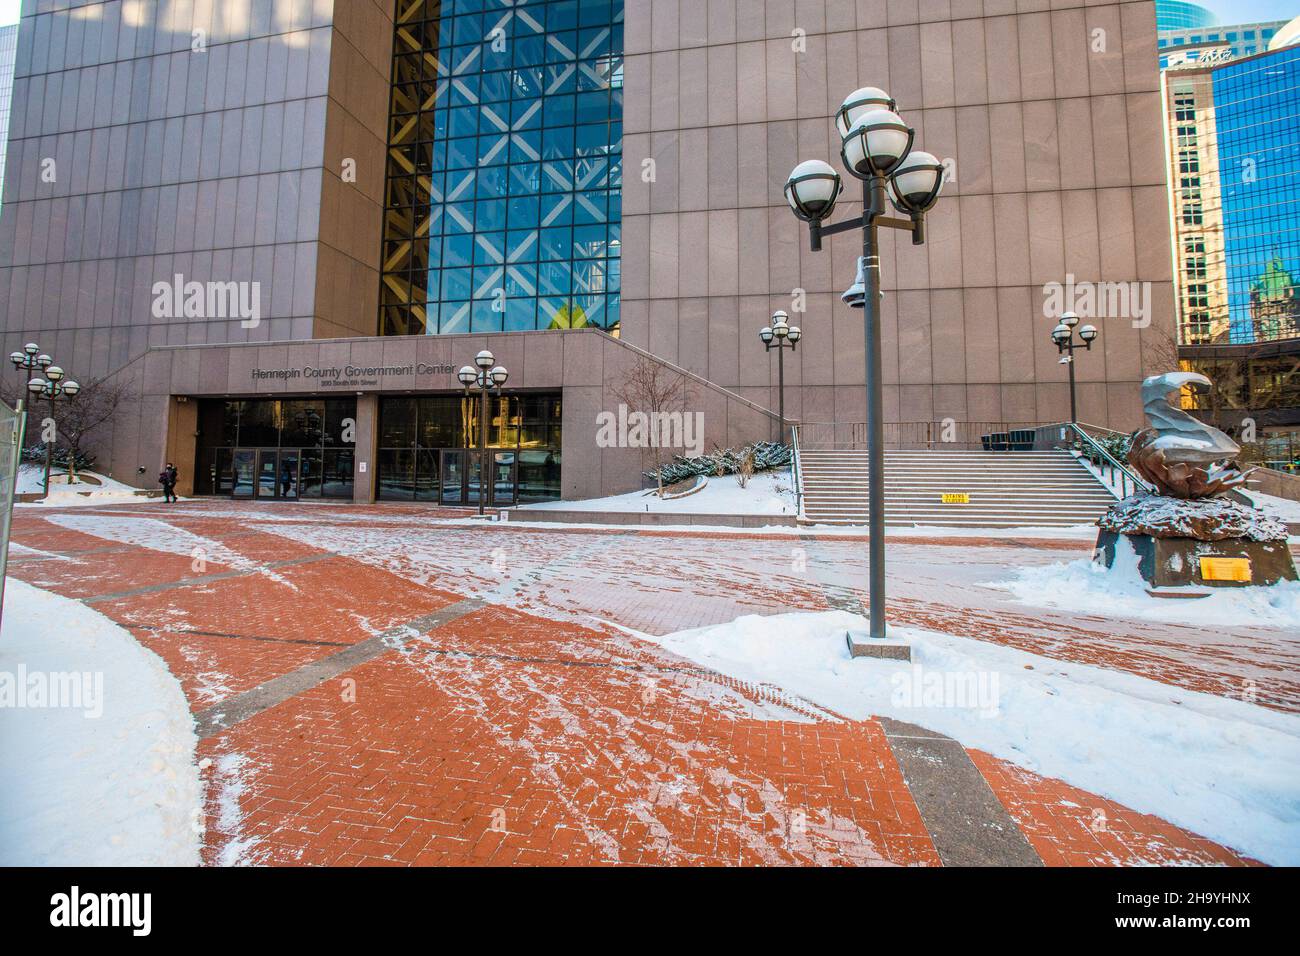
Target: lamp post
{"x":30,"y":359}
{"x":487,"y":376}
{"x":876,"y":147}
{"x":53,"y":386}
{"x":1066,"y":343}
{"x":780,"y":335}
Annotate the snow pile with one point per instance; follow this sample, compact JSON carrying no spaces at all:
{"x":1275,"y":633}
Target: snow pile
{"x":89,"y":489}
{"x":1223,"y":768}
{"x":1087,"y":587}
{"x":1206,"y":519}
{"x":107,"y":778}
{"x":768,"y":493}
{"x":1284,"y":509}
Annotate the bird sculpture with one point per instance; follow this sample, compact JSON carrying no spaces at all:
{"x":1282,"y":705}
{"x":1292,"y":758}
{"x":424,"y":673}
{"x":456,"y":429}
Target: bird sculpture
{"x":1181,"y":455}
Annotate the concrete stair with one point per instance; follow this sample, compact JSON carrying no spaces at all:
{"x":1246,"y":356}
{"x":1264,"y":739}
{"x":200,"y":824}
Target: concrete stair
{"x":1007,"y":489}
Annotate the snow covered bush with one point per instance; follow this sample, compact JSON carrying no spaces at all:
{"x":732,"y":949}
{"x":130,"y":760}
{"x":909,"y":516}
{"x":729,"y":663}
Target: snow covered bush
{"x":766,"y":455}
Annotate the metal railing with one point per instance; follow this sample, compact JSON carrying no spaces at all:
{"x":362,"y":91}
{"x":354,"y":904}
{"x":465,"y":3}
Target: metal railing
{"x":1118,"y":477}
{"x":796,"y":473}
{"x":12,"y":424}
{"x":988,"y":436}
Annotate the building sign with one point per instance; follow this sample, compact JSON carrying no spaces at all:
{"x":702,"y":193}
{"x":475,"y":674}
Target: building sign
{"x":349,"y":376}
{"x":955,"y":498}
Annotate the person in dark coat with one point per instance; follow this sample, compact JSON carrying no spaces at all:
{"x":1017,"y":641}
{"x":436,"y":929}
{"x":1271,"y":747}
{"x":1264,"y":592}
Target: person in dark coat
{"x":168,"y":479}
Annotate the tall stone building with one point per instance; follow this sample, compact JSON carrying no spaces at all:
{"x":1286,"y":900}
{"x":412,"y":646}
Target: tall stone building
{"x":276,"y":217}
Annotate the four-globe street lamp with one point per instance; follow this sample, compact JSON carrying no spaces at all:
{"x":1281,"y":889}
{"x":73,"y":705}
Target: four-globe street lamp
{"x":487,"y":376}
{"x":30,"y":359}
{"x":876,"y":147}
{"x":54,"y":386}
{"x":1066,"y":343}
{"x":780,"y":335}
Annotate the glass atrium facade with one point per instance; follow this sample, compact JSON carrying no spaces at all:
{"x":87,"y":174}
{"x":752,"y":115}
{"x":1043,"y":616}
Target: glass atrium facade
{"x":503,"y":193}
{"x":1258,"y":131}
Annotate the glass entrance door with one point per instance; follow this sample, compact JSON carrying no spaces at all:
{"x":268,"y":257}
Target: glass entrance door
{"x":268,"y":473}
{"x":451,"y":487}
{"x":289,"y":474}
{"x":243,"y":466}
{"x":505,"y":479}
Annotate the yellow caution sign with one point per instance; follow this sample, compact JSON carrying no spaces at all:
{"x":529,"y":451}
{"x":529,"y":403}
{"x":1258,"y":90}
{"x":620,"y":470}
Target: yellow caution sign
{"x":956,"y":498}
{"x":1225,"y":569}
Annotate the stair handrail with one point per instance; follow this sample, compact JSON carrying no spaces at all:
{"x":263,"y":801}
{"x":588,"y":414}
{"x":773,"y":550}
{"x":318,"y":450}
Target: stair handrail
{"x":1111,"y":467}
{"x":796,"y":471}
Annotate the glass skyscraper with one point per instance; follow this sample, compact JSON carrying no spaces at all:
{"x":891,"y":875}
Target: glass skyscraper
{"x":503,"y":198}
{"x":1258,"y":132}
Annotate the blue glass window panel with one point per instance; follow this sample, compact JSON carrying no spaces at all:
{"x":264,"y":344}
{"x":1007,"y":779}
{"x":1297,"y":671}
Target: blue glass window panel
{"x":453,"y":317}
{"x":484,"y":318}
{"x":562,"y":16}
{"x":592,"y":107}
{"x":492,"y":150}
{"x":488,"y":281}
{"x":589,"y":208}
{"x":615,"y":210}
{"x":526,"y":146}
{"x":562,"y":46}
{"x":490,"y":214}
{"x":495,"y":86}
{"x":557,"y":244}
{"x":521,"y":314}
{"x":555,"y":278}
{"x":526,"y":114}
{"x":612,"y":312}
{"x":525,"y":178}
{"x":530,"y":52}
{"x":458,"y":250}
{"x":492,"y":181}
{"x":460,"y":153}
{"x":464,"y":91}
{"x":468,"y":29}
{"x":524,"y":212}
{"x":489,"y":248}
{"x":561,"y":78}
{"x":591,"y":139}
{"x":549,"y":308}
{"x":522,"y":245}
{"x":557,"y":144}
{"x":459,"y":217}
{"x":455,"y":283}
{"x":557,"y":209}
{"x":559,"y":110}
{"x":588,"y":241}
{"x":521,"y":281}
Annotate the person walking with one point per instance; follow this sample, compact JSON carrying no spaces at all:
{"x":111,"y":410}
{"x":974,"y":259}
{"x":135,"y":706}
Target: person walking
{"x":167,"y":478}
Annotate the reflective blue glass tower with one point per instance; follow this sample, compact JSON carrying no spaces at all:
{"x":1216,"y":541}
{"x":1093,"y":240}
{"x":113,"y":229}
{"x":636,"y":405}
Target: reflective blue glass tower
{"x":1258,"y":129}
{"x":505,"y":167}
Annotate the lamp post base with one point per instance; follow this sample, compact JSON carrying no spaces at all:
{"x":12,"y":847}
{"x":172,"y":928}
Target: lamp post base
{"x":862,"y":645}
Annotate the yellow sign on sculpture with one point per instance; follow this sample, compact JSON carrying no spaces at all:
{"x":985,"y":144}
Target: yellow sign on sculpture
{"x":1225,"y":569}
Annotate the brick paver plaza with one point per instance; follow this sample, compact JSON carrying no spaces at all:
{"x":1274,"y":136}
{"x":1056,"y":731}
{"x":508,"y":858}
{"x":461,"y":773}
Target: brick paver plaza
{"x":383,"y":685}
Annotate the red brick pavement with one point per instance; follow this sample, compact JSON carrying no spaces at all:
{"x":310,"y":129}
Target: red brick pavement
{"x":505,"y":737}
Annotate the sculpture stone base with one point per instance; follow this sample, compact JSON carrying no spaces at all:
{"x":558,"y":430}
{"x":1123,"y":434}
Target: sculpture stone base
{"x":1170,"y":537}
{"x":1176,"y":562}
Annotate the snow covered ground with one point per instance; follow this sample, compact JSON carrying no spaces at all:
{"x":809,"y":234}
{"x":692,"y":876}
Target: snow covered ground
{"x":1089,"y":588}
{"x":108,"y":778}
{"x":768,"y":493}
{"x":100,"y":491}
{"x":1282,"y":508}
{"x":1221,"y":767}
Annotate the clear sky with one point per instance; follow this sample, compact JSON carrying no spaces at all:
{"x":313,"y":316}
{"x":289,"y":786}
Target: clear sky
{"x":1228,"y":11}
